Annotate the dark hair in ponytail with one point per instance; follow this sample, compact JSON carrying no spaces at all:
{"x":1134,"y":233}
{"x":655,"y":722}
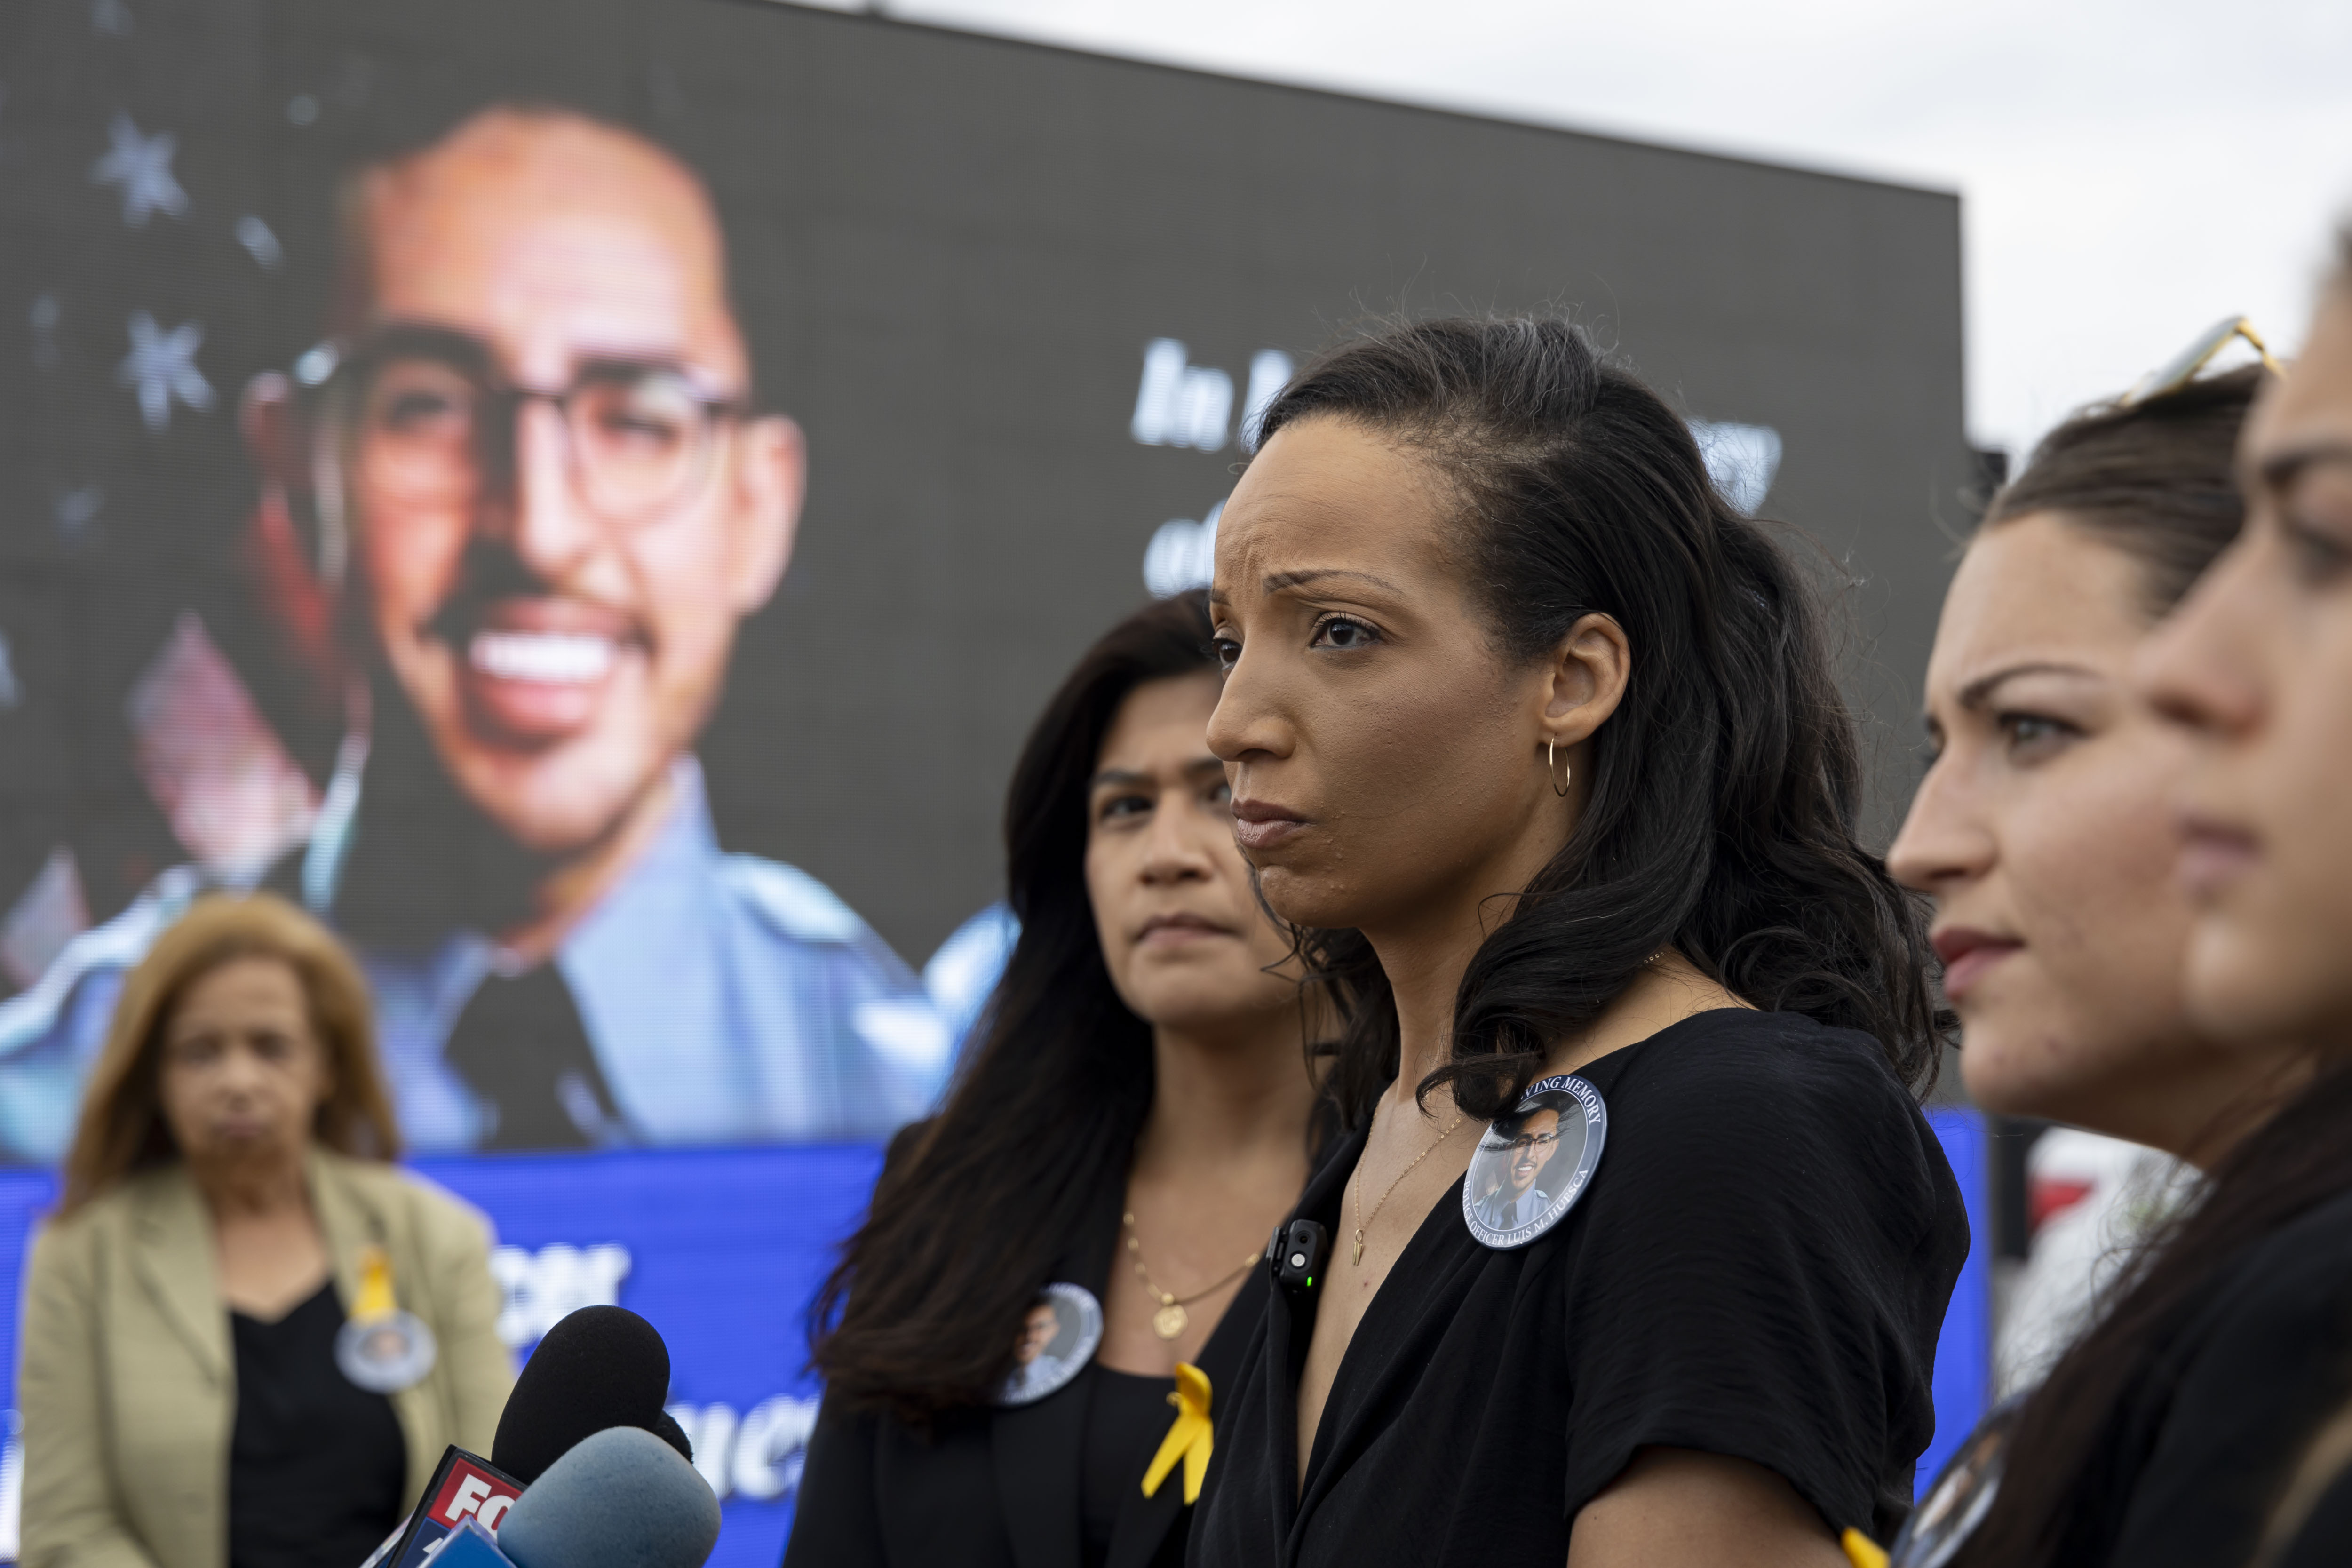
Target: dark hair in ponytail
{"x":921,"y":1315}
{"x":1726,"y":785}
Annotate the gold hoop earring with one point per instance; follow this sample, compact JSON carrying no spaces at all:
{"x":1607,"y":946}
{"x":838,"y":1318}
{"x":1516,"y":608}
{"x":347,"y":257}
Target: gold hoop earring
{"x":1559,"y":789}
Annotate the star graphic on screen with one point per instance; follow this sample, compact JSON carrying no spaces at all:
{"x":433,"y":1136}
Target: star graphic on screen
{"x":143,"y":166}
{"x":162,"y":367}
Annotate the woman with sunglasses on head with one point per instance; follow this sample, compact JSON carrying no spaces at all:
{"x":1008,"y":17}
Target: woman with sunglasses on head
{"x":1538,"y":743}
{"x":2043,"y":827}
{"x":1074,"y":1242}
{"x":2044,"y":831}
{"x":2250,"y":1311}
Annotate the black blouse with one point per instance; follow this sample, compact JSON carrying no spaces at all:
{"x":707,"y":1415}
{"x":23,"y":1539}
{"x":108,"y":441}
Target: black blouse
{"x":316,"y":1464}
{"x":2193,"y":1458}
{"x":1759,"y":1269}
{"x":1009,"y":1488}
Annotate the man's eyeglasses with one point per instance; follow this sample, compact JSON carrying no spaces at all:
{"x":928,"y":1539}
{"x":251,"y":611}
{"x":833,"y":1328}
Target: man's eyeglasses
{"x":2181,"y":368}
{"x":1524,"y":1142}
{"x":425,"y":415}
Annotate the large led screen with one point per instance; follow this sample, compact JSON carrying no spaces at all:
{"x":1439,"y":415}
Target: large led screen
{"x":588,"y":496}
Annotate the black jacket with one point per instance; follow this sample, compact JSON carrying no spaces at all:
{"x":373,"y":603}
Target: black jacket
{"x":999,"y":1488}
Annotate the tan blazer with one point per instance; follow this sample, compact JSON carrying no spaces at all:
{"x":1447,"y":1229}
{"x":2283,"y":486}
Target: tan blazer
{"x":128,"y":1386}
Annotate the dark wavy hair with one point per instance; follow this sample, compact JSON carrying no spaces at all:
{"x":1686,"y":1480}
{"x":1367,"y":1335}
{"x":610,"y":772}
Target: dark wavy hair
{"x":1725,"y":787}
{"x":975,"y":1207}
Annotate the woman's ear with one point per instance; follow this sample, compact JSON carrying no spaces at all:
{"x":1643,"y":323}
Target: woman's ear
{"x":1586,"y":679}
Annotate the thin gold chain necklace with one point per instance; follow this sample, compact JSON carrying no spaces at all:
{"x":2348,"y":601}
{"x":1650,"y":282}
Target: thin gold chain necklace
{"x":1361,"y":1221}
{"x":1170,"y":1320}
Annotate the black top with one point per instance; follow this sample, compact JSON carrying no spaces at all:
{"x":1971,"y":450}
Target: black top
{"x":1014,"y":1488}
{"x":1128,"y":1415}
{"x":2196,"y":1455}
{"x":316,"y":1464}
{"x":1759,"y":1267}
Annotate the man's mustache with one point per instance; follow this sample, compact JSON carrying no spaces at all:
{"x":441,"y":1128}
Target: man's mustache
{"x":491,"y":577}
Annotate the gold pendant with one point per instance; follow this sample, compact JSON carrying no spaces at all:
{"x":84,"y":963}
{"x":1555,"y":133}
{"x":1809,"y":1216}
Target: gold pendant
{"x":1360,"y":1248}
{"x":1169,"y":1322}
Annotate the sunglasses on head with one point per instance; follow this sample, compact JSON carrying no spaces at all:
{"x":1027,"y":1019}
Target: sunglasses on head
{"x":2181,"y":368}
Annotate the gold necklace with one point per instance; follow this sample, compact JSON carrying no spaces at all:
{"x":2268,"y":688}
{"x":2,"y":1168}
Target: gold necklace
{"x":1361,"y":1220}
{"x":1170,"y":1320}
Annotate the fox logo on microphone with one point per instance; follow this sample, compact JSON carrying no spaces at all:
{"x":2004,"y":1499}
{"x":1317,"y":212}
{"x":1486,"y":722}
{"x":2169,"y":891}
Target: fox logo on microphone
{"x":465,"y":1486}
{"x":472,"y":1491}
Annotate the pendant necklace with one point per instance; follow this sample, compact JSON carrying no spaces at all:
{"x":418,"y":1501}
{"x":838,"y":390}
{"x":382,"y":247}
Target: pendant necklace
{"x":1170,"y":1320}
{"x":1362,"y":1220}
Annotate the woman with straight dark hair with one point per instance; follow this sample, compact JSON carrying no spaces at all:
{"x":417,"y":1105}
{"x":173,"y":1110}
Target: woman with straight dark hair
{"x":1071,"y":1246}
{"x":1537,"y":741}
{"x":2194,"y":1423}
{"x":2043,"y":827}
{"x":2046,"y":830}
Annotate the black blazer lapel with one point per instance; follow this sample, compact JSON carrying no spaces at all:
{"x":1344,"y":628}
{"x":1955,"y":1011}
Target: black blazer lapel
{"x":1036,"y":1448}
{"x":1039,"y":1450}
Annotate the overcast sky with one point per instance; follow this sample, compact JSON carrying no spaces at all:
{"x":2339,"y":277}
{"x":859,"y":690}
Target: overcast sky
{"x":2130,"y":170}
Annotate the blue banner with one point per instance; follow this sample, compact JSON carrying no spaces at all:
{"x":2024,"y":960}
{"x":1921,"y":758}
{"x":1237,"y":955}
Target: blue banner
{"x":721,"y":1250}
{"x":1964,"y":1355}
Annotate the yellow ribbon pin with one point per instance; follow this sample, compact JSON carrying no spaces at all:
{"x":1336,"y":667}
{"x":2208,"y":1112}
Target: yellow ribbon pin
{"x":1189,"y":1439}
{"x":1862,"y":1550}
{"x":375,"y":1301}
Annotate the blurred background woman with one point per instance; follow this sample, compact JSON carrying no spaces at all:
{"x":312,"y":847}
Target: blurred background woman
{"x":2044,"y":828}
{"x":2248,"y":1313}
{"x":1136,"y":1120}
{"x":1541,"y":740}
{"x":228,"y":1201}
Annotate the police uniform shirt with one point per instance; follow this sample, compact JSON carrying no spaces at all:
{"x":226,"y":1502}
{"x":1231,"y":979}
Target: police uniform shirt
{"x":1506,"y":1211}
{"x":2188,"y":1465}
{"x":1758,"y":1268}
{"x":726,"y":999}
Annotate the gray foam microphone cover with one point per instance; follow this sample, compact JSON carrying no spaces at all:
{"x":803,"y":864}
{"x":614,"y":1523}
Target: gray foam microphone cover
{"x":620,"y":1498}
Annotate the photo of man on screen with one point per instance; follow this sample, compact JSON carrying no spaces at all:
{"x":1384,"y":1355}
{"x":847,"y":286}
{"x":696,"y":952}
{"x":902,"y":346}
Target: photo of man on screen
{"x":514,"y":505}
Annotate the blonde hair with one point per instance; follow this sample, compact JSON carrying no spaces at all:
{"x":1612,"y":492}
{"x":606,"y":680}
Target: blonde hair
{"x":122,"y":1128}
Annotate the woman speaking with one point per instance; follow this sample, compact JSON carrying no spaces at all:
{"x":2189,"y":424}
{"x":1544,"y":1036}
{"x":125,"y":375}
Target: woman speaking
{"x":1537,"y":741}
{"x":1072,"y":1243}
{"x":247,"y":1338}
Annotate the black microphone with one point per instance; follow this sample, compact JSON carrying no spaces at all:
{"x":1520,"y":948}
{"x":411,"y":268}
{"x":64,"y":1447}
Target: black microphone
{"x":600,"y":1367}
{"x":619,"y":1499}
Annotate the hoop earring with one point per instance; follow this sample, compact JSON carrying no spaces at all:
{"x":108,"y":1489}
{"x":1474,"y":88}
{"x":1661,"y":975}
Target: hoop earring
{"x":1559,"y":789}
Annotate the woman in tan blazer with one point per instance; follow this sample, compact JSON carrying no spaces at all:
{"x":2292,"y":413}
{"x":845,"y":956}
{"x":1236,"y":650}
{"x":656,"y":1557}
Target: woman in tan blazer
{"x":191,"y":1397}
